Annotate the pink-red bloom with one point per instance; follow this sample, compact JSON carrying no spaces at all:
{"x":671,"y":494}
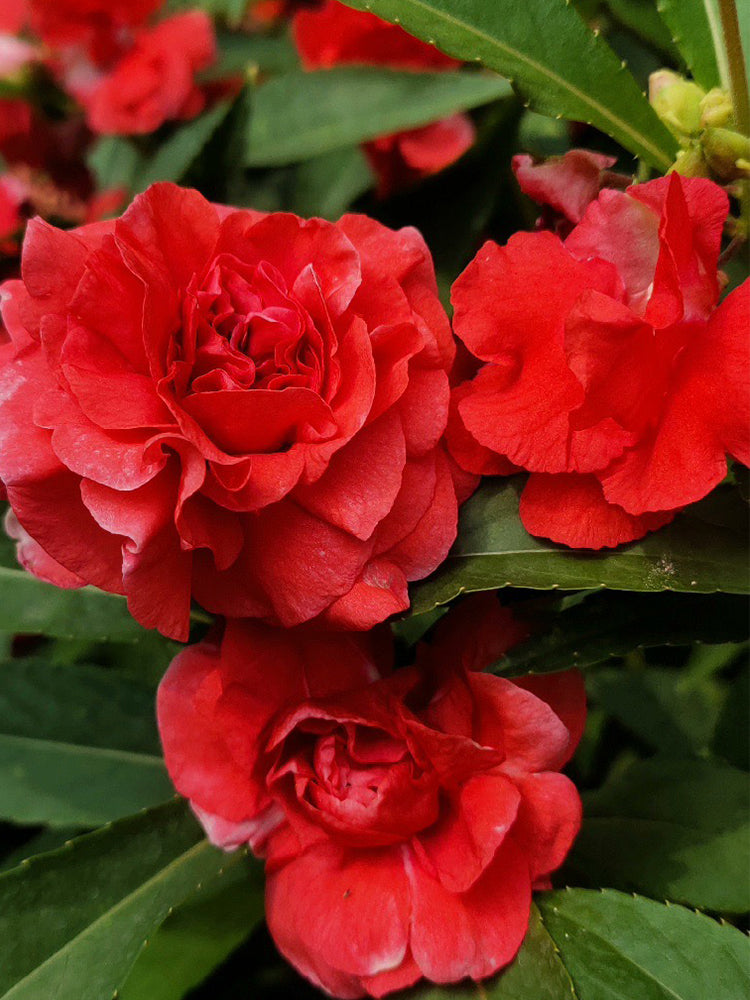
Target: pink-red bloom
{"x":609,"y":372}
{"x":247,"y":408}
{"x":336,"y":35}
{"x":404,"y":817}
{"x":566,"y":185}
{"x":151,"y":82}
{"x":97,"y":25}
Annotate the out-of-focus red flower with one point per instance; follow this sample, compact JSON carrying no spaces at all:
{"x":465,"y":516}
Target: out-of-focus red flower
{"x":101,"y":27}
{"x":404,"y":817}
{"x":401,"y":159}
{"x":244,"y":408}
{"x":336,"y":35}
{"x":13,"y":16}
{"x":12,"y":197}
{"x":270,"y":12}
{"x":152,"y":83}
{"x":609,"y":372}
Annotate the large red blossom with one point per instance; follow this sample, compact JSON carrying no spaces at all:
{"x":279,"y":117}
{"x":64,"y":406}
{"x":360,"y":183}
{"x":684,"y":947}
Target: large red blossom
{"x":335,"y":35}
{"x":241,"y":407}
{"x":609,"y":372}
{"x":404,"y":817}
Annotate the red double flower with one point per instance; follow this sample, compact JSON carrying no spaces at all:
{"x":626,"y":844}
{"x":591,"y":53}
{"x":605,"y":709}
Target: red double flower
{"x":404,"y":817}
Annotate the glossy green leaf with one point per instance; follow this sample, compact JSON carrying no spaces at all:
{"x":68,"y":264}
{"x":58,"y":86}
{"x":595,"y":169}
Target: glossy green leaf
{"x":673,"y":829}
{"x":617,"y":947}
{"x":78,"y":746}
{"x":198,"y":937}
{"x":696,"y":31}
{"x":73,"y":922}
{"x":607,"y":624}
{"x":301,"y":115}
{"x":553,"y":59}
{"x":702,"y":551}
{"x":642,"y":17}
{"x":536,"y":973}
{"x":29,"y":607}
{"x":176,"y":155}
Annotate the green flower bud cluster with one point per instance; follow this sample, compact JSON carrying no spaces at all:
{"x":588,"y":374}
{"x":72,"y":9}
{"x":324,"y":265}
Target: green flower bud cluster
{"x":704,"y":125}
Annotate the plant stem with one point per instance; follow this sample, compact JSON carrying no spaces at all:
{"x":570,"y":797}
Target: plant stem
{"x":737,"y":74}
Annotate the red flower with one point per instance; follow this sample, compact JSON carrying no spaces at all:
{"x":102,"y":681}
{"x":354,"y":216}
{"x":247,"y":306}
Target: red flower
{"x":566,"y":184}
{"x":13,"y":16}
{"x":12,"y":197}
{"x":247,"y":408}
{"x":404,"y":820}
{"x":95,"y":24}
{"x":609,"y":372}
{"x":152,"y":83}
{"x":336,"y":35}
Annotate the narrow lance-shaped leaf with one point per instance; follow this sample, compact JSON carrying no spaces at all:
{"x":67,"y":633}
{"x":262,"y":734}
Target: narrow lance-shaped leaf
{"x":618,"y":946}
{"x":29,"y":607}
{"x":674,"y":829}
{"x":197,"y":937}
{"x":300,"y":115}
{"x":553,"y":59}
{"x":73,"y":922}
{"x":696,"y":31}
{"x":606,"y":625}
{"x":78,"y":745}
{"x":702,"y":551}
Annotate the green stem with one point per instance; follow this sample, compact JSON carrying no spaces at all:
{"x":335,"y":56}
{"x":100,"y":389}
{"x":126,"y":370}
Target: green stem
{"x":737,"y":74}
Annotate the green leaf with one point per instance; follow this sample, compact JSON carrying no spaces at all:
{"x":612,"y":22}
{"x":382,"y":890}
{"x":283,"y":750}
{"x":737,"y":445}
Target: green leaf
{"x":73,"y":922}
{"x":616,"y":947}
{"x":115,"y":162}
{"x":175,"y":156}
{"x":702,"y":551}
{"x":535,"y":974}
{"x":732,"y":734}
{"x":674,"y":829}
{"x":326,"y":185}
{"x":696,"y":31}
{"x":642,"y":17}
{"x":78,"y":746}
{"x":545,"y":48}
{"x":197,"y":937}
{"x":667,"y":709}
{"x":240,"y":53}
{"x":606,"y":625}
{"x":300,"y":115}
{"x":30,"y":607}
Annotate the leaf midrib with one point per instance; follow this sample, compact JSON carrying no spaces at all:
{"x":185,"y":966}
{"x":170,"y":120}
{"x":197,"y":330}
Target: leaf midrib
{"x":111,"y":753}
{"x":660,"y":157}
{"x":142,"y":889}
{"x":611,"y":947}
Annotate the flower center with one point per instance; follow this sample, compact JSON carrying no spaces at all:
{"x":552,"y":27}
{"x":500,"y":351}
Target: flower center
{"x":244,"y":329}
{"x":359,"y":782}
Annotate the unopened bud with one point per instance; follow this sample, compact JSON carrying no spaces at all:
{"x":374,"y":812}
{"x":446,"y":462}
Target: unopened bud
{"x":727,"y":153}
{"x":677,"y":102}
{"x":690,"y":163}
{"x":716,"y":109}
